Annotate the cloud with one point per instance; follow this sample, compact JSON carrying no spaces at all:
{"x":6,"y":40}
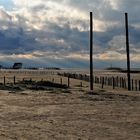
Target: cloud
{"x":44,"y":30}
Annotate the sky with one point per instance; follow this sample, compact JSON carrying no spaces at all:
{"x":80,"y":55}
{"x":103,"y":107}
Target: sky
{"x":55,"y":33}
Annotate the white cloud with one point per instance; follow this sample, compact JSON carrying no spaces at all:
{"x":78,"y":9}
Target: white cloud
{"x":27,"y":3}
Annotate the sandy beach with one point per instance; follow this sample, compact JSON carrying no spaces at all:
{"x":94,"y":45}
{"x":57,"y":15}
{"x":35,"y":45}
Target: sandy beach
{"x":72,"y":113}
{"x":69,"y":114}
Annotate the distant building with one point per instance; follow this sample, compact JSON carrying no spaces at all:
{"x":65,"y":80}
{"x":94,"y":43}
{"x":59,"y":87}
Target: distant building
{"x":17,"y":66}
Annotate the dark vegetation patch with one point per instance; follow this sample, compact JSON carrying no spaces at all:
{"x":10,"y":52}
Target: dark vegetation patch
{"x":50,"y":84}
{"x":32,"y":85}
{"x":10,"y":87}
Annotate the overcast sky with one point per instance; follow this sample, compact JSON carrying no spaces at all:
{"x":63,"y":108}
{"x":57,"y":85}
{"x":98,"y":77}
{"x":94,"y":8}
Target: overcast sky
{"x":56,"y":32}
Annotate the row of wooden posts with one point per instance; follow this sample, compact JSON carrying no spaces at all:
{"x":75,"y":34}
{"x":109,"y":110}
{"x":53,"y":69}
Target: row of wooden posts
{"x":52,"y":80}
{"x":117,"y":82}
{"x":114,"y":82}
{"x":4,"y":80}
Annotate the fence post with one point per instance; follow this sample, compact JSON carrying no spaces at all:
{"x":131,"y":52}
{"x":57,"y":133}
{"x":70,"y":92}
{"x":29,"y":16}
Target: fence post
{"x":120,"y":82}
{"x":98,"y":80}
{"x":108,"y":81}
{"x":81,"y":84}
{"x":4,"y":81}
{"x":125,"y":83}
{"x":132,"y":84}
{"x":113,"y":82}
{"x":102,"y":82}
{"x":139,"y":85}
{"x":117,"y":79}
{"x":68,"y":81}
{"x":136,"y":85}
{"x":61,"y":81}
{"x":14,"y":80}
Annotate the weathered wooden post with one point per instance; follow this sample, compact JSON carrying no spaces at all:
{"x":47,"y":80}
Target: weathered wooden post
{"x":68,"y":81}
{"x":120,"y":82}
{"x":127,"y":51}
{"x":4,"y":80}
{"x":117,"y":81}
{"x":91,"y":51}
{"x":136,"y":85}
{"x":139,"y":85}
{"x":125,"y":83}
{"x":132,"y":85}
{"x":14,"y":80}
{"x":102,"y":82}
{"x":113,"y":82}
{"x":81,"y":84}
{"x":61,"y":81}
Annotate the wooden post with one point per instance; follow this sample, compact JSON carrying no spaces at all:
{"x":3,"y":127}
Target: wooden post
{"x":61,"y":81}
{"x":91,"y":51}
{"x":108,"y":81}
{"x":113,"y":82}
{"x":136,"y":85}
{"x":68,"y":82}
{"x":14,"y":80}
{"x":132,"y":85}
{"x":4,"y":81}
{"x":102,"y":82}
{"x":117,"y":81}
{"x":81,"y":84}
{"x":120,"y":82}
{"x":127,"y":51}
{"x":125,"y":83}
{"x":139,"y":85}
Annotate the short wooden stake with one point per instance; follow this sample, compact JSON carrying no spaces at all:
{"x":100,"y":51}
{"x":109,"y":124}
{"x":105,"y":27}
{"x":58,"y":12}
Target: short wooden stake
{"x":4,"y":80}
{"x":68,"y":82}
{"x":14,"y":80}
{"x":61,"y":82}
{"x":102,"y":82}
{"x":136,"y":85}
{"x":113,"y":81}
{"x":81,"y":84}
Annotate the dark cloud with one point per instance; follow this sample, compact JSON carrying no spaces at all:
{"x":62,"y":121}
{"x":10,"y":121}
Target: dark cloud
{"x":58,"y":28}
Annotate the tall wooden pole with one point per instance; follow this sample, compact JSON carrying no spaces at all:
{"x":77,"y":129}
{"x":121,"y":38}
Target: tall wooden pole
{"x":91,"y":51}
{"x":127,"y":51}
